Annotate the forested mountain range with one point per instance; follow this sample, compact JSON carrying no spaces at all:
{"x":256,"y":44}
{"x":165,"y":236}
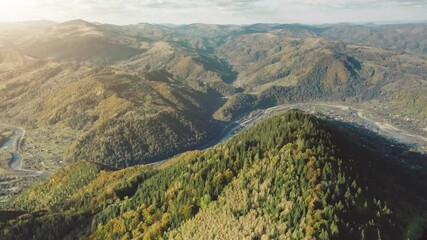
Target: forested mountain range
{"x":191,"y":80}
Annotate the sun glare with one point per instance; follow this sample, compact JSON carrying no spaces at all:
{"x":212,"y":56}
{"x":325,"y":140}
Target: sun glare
{"x":20,"y":10}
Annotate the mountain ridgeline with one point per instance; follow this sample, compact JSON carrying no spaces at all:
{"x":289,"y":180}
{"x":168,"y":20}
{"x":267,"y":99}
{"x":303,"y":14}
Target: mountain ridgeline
{"x":127,"y":95}
{"x":292,"y":176}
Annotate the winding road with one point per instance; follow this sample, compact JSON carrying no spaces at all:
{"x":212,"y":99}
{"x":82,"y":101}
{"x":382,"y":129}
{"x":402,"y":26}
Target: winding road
{"x":248,"y":119}
{"x":13,"y":145}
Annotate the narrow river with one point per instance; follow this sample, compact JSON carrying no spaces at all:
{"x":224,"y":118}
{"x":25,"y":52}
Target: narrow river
{"x":13,"y":145}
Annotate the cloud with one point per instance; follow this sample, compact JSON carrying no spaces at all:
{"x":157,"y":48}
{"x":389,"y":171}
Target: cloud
{"x":137,"y":4}
{"x":351,"y":4}
{"x":237,"y":5}
{"x":213,"y":11}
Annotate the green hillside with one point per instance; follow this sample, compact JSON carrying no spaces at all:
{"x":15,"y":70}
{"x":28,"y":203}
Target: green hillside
{"x":291,"y":176}
{"x":125,"y":119}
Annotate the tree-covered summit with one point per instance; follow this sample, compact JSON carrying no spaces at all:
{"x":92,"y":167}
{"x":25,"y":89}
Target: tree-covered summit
{"x":292,"y":176}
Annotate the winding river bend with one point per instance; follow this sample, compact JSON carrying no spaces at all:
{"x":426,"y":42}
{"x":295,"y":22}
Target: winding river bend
{"x":13,"y":145}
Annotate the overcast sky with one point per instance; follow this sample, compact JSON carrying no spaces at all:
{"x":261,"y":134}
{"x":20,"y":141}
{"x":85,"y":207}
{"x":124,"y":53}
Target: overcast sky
{"x":214,"y":11}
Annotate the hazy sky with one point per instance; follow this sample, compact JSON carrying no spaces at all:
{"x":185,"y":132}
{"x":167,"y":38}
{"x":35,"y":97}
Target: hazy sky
{"x":214,"y":11}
